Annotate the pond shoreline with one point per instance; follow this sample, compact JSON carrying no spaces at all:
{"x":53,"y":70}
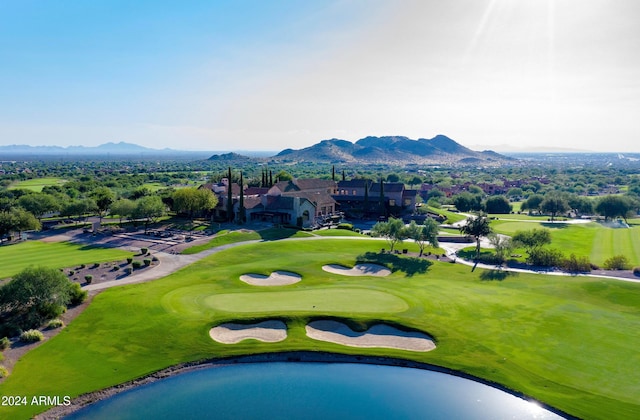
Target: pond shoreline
{"x":84,"y":400}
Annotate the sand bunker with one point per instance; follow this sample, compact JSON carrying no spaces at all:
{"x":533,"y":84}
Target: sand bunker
{"x":270,"y":331}
{"x":377,"y":336}
{"x":365,"y":269}
{"x":277,"y":278}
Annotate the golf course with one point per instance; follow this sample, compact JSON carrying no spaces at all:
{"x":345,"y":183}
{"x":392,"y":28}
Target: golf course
{"x":568,"y":342}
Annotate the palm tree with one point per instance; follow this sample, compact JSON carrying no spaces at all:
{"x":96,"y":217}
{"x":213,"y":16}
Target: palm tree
{"x":476,"y":227}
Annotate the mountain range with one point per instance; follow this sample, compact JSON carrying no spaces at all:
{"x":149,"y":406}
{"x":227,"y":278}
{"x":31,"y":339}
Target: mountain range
{"x":392,"y":150}
{"x":399,"y":150}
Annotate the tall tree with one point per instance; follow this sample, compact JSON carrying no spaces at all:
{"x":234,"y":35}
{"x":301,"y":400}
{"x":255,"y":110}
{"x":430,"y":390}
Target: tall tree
{"x":532,"y":239}
{"x":229,"y":197}
{"x":393,"y":231}
{"x":612,"y":206}
{"x":123,"y":208}
{"x":39,"y":204}
{"x":149,"y":208}
{"x":554,"y":205}
{"x":476,"y":227}
{"x":241,"y":209}
{"x":103,"y":197}
{"x":383,"y":210}
{"x":423,"y":234}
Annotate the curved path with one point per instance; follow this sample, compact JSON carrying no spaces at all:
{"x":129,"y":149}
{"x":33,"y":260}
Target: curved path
{"x":170,"y":263}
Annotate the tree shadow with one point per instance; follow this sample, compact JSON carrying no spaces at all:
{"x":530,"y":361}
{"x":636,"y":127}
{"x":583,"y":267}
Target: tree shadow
{"x":408,"y":265}
{"x":275,"y":234}
{"x":496,"y":275}
{"x":555,"y":225}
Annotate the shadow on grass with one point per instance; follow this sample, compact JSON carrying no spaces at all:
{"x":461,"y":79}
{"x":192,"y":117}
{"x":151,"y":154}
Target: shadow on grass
{"x":496,"y":275}
{"x":408,"y":265}
{"x":274,"y":234}
{"x":556,"y":225}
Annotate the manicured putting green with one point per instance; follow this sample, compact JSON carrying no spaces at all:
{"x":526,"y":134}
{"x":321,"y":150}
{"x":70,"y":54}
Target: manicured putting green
{"x":193,"y":301}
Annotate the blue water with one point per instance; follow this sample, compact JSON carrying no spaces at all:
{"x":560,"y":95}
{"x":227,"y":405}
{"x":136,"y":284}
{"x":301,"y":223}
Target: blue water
{"x":313,"y":391}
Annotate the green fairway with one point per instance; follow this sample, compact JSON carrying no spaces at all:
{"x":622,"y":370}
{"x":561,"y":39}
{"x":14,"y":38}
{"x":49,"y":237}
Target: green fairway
{"x":224,"y":239}
{"x":592,"y":240}
{"x":17,"y":257}
{"x":37,"y":184}
{"x":570,"y":342}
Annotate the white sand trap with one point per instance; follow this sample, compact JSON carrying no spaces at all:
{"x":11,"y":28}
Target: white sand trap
{"x":377,"y":336}
{"x":270,"y":331}
{"x":277,"y":278}
{"x":366,"y":269}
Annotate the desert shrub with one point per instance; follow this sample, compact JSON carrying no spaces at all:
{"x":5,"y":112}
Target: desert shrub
{"x":636,"y":271}
{"x":128,"y":270}
{"x":575,"y":264}
{"x":83,"y":266}
{"x":116,"y":268}
{"x":129,"y":260}
{"x":95,"y":265}
{"x":136,"y":264}
{"x":617,"y":262}
{"x":154,"y":258}
{"x":147,"y":262}
{"x":544,"y":257}
{"x":345,"y":226}
{"x":77,"y":294}
{"x":144,"y":251}
{"x":4,"y":343}
{"x":55,"y":323}
{"x":3,"y":372}
{"x":71,"y":272}
{"x":31,"y":336}
{"x":88,"y":278}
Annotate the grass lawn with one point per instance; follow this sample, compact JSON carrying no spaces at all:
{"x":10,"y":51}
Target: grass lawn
{"x":37,"y":184}
{"x":17,"y":257}
{"x":570,"y":342}
{"x":591,"y":240}
{"x":336,"y":232}
{"x":452,"y":217}
{"x":224,"y":239}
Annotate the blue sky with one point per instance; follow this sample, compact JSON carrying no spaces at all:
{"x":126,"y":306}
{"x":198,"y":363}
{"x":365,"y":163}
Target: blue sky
{"x":268,"y":75}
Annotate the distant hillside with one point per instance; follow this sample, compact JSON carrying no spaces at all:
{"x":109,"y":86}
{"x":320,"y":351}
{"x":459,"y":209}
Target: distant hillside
{"x":103,"y":150}
{"x":392,"y":149}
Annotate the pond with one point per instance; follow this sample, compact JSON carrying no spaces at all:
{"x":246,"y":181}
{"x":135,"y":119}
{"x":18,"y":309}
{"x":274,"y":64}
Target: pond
{"x":286,"y":390}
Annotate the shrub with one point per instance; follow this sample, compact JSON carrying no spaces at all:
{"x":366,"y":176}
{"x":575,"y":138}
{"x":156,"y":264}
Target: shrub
{"x":345,"y":226}
{"x":83,"y":266}
{"x":3,"y":372}
{"x":147,"y":262}
{"x":136,"y":264}
{"x":4,"y":343}
{"x":55,"y":323}
{"x":116,"y":267}
{"x":128,"y":270}
{"x":636,"y":271}
{"x":575,"y":264}
{"x":77,"y":295}
{"x":543,"y":257}
{"x":71,"y":272}
{"x":154,"y":258}
{"x":31,"y":336}
{"x":617,"y":262}
{"x":129,"y":260}
{"x":95,"y":265}
{"x":144,"y":251}
{"x":88,"y":278}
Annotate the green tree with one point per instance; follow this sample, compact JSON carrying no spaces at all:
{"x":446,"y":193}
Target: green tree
{"x":498,"y":204}
{"x":423,"y":234}
{"x":393,"y":231}
{"x":532,"y":239}
{"x":284,"y":176}
{"x":194,"y":200}
{"x":123,"y":208}
{"x":17,"y":219}
{"x":533,"y":203}
{"x":33,"y":296}
{"x":476,"y":227}
{"x":241,"y":210}
{"x":612,"y":206}
{"x":554,"y":205}
{"x":502,"y":245}
{"x":149,"y":208}
{"x":39,"y":204}
{"x":103,"y":197}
